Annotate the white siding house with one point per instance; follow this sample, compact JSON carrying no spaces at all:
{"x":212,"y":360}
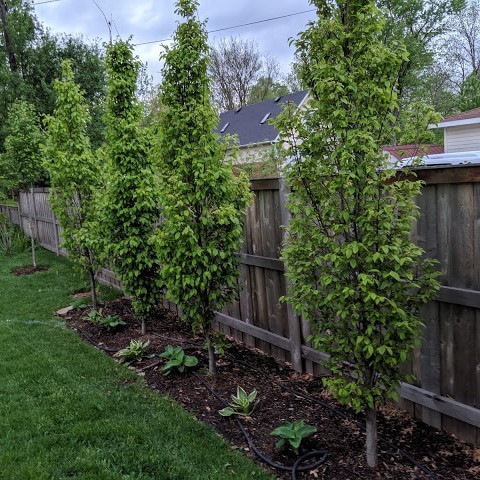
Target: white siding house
{"x":462,"y":132}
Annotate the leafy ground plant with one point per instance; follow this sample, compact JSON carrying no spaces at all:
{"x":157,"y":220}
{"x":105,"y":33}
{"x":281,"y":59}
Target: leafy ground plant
{"x":293,"y":433}
{"x":242,"y":403}
{"x":110,"y":322}
{"x":11,"y":238}
{"x":6,"y":238}
{"x":177,"y":359}
{"x":136,"y":351}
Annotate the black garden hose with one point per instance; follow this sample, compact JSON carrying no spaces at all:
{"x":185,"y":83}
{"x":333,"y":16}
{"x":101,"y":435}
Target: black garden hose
{"x":338,"y":412}
{"x":89,"y":339}
{"x":295,"y":468}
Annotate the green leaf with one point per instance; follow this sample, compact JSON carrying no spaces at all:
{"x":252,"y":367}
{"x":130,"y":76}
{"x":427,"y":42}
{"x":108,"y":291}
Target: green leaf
{"x":226,"y":412}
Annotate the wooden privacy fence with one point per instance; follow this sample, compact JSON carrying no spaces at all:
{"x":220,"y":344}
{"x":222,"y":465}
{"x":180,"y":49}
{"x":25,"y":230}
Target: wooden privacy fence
{"x":34,"y":208}
{"x":446,"y":393}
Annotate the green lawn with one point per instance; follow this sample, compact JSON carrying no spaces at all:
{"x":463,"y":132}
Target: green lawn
{"x":67,"y":411}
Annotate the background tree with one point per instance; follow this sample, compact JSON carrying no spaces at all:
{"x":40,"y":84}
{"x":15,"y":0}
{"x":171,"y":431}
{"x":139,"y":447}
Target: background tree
{"x":292,"y":79}
{"x":355,"y":275}
{"x":470,"y":93}
{"x":269,"y":84}
{"x":203,"y":202}
{"x":148,"y":94}
{"x":74,"y":174}
{"x":463,"y":42}
{"x":417,"y":25}
{"x":414,"y":122}
{"x":236,"y":68}
{"x":437,"y":87}
{"x":131,"y":210}
{"x":21,"y":162}
{"x":266,"y":88}
{"x":38,"y":55}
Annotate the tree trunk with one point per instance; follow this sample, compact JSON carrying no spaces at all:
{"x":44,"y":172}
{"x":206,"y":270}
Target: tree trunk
{"x":371,"y":443}
{"x":30,"y":225}
{"x":212,"y":368}
{"x":93,"y":288}
{"x":12,"y":60}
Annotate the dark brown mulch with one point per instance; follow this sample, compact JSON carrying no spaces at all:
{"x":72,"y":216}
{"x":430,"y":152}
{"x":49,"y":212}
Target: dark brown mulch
{"x":29,"y":270}
{"x":339,"y":430}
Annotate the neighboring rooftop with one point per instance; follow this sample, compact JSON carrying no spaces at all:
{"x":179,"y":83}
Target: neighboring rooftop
{"x":251,"y":123}
{"x":464,"y":118}
{"x":405,"y":151}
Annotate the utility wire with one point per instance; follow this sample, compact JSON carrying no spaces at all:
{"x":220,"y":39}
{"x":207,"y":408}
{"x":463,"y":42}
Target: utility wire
{"x":46,"y":1}
{"x":115,"y":26}
{"x":234,"y":26}
{"x":109,"y":24}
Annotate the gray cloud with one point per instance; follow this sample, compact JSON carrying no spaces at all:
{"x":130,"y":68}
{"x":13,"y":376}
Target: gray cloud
{"x":149,"y":20}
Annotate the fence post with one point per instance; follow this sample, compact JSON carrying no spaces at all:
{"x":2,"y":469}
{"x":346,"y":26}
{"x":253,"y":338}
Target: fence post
{"x":293,"y":319}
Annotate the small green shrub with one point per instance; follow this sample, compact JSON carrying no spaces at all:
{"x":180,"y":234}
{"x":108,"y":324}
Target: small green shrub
{"x":81,"y":303}
{"x":108,"y":321}
{"x":111,"y":322}
{"x":220,"y":342}
{"x":6,"y":238}
{"x":242,"y":403}
{"x":136,"y":351}
{"x":293,"y":433}
{"x":11,"y":237}
{"x":177,"y":359}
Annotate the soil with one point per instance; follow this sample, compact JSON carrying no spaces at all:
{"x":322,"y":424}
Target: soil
{"x":29,"y":270}
{"x":408,"y":450}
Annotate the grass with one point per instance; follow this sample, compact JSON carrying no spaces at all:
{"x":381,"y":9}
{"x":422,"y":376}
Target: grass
{"x":68,"y":411}
{"x":8,"y":201}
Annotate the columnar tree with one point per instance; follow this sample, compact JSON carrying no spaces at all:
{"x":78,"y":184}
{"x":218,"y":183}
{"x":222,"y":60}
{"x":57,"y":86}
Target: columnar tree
{"x":21,"y":162}
{"x":354,"y":273}
{"x":203,"y":202}
{"x":74,"y":175}
{"x":131,"y":210}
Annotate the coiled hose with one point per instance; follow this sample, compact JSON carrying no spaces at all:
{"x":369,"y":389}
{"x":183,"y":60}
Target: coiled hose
{"x":320,"y":455}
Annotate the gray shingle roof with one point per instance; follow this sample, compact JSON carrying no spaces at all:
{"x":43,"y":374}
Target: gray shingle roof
{"x":246,"y":122}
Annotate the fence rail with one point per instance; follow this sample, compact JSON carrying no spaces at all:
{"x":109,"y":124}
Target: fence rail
{"x":446,"y":393}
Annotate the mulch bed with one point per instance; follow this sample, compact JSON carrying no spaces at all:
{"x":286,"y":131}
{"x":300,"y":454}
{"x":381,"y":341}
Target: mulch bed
{"x":339,"y":429}
{"x":29,"y":270}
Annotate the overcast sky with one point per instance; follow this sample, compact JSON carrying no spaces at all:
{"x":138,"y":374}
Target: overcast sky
{"x":154,"y":20}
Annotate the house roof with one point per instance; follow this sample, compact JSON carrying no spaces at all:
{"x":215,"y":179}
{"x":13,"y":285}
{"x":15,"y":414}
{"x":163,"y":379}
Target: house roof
{"x":405,"y":151}
{"x":251,"y":123}
{"x":465,"y":118}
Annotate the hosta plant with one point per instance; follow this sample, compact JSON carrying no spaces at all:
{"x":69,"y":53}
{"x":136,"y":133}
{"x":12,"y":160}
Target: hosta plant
{"x":136,"y":351}
{"x":242,"y":403}
{"x":108,"y":321}
{"x":177,"y":359}
{"x":293,"y":433}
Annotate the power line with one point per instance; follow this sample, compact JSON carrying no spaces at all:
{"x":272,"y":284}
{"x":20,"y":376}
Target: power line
{"x":234,"y":26}
{"x":115,"y":26}
{"x":46,"y":1}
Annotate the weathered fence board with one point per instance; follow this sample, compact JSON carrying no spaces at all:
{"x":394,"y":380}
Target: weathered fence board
{"x":446,"y":393}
